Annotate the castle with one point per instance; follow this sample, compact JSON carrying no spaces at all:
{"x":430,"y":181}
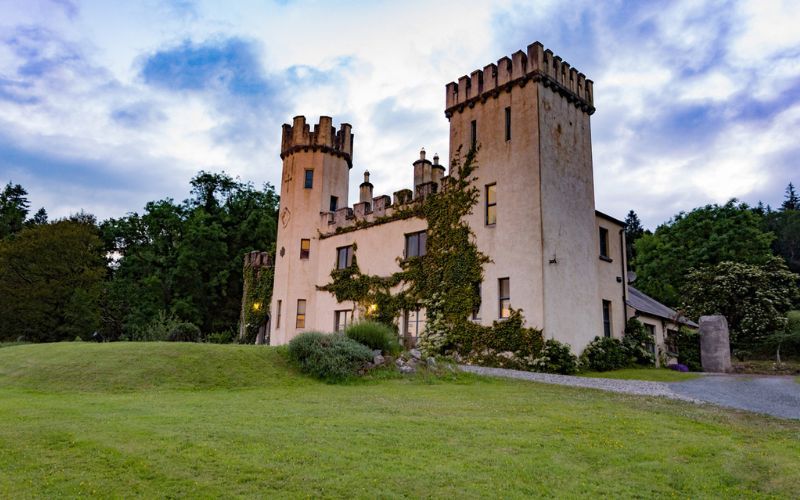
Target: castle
{"x":552,"y":254}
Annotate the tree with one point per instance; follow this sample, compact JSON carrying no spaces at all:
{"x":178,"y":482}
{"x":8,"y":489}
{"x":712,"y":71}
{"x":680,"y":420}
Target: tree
{"x":38,"y":219}
{"x":51,"y":277}
{"x":792,"y":201}
{"x":789,"y":335}
{"x":705,"y":236}
{"x":633,"y":231}
{"x":785,"y":225}
{"x":186,"y":259}
{"x":13,"y":209}
{"x":753,"y":298}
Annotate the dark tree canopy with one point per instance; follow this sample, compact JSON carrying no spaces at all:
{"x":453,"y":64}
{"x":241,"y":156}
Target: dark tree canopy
{"x":792,"y":201}
{"x":705,"y":236}
{"x":14,"y":207}
{"x":186,"y":258}
{"x":633,"y":231}
{"x":51,"y":278}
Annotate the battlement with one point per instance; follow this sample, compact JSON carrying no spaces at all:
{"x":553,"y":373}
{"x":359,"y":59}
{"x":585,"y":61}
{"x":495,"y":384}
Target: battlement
{"x":299,"y":137}
{"x":538,"y":65}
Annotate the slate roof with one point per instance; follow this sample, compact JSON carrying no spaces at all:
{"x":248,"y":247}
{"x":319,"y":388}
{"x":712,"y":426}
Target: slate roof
{"x":648,"y":305}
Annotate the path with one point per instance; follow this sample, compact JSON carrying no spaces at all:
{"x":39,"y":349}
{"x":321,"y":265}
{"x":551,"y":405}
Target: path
{"x":777,"y":396}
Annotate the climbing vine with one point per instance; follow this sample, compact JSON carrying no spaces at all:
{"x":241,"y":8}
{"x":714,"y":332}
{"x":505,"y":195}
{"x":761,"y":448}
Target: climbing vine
{"x":258,"y":285}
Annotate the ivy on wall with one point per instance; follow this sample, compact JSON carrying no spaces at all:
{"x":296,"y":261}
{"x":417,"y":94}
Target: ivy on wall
{"x":258,"y":295}
{"x":445,"y":281}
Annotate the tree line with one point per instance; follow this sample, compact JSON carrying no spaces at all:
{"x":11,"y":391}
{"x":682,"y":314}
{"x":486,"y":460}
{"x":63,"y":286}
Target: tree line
{"x":732,"y":259}
{"x":173,"y":262}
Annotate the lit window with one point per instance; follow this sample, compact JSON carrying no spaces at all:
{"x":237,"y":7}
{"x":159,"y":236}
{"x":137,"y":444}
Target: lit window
{"x":305,"y":248}
{"x":604,"y":243}
{"x":504,"y":294}
{"x":508,"y":123}
{"x":491,"y":204}
{"x":341,"y":319}
{"x":344,"y":257}
{"x":416,"y":244}
{"x":278,"y":316}
{"x":309,"y":182}
{"x":301,"y":314}
{"x":607,"y":318}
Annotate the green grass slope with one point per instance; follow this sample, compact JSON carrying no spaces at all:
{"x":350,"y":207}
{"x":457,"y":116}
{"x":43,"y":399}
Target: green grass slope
{"x":134,"y":366}
{"x":185,"y":420}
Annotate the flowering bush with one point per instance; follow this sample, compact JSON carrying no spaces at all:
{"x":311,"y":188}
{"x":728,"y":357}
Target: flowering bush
{"x":678,"y":367}
{"x":604,"y":354}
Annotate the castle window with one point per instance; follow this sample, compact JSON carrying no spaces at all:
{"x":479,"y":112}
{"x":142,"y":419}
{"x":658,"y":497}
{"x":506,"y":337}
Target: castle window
{"x":416,"y":244}
{"x":504,"y":297}
{"x":301,"y":314}
{"x":309,"y":180}
{"x":508,"y":123}
{"x":334,"y":203}
{"x":473,"y":134}
{"x":341,"y":319}
{"x":604,"y":244}
{"x":414,"y":325}
{"x":305,"y":248}
{"x":476,"y":307}
{"x":278,"y":316}
{"x":491,"y":204}
{"x":607,"y":318}
{"x":344,"y":257}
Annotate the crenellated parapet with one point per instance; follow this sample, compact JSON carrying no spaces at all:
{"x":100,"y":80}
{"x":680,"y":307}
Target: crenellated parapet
{"x":538,"y":65}
{"x":299,"y":137}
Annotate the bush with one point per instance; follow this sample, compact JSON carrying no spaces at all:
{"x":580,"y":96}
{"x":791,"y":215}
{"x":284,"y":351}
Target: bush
{"x":556,"y":358}
{"x":689,"y":349}
{"x":220,"y":337}
{"x":332,"y":357}
{"x":158,"y":330}
{"x":604,"y":354}
{"x":503,"y":336}
{"x":375,"y":335}
{"x":184,"y":332}
{"x":637,"y":342}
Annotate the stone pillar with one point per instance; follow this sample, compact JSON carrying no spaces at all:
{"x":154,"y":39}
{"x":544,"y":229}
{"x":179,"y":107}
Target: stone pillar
{"x":715,"y":347}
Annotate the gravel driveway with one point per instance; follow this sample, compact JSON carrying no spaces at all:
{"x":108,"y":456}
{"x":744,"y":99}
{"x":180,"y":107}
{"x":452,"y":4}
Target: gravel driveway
{"x":777,"y":396}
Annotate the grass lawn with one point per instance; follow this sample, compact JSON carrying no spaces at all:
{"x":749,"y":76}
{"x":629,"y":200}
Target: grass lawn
{"x":652,"y":374}
{"x":167,"y":420}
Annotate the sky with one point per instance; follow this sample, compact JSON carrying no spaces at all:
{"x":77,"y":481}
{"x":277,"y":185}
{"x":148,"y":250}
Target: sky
{"x":105,"y":106}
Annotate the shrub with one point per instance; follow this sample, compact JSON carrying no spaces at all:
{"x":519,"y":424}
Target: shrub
{"x":184,"y":332}
{"x":220,"y":337}
{"x":503,"y":336}
{"x":689,"y":349}
{"x":604,"y":354}
{"x":375,"y":335}
{"x":637,"y":342}
{"x":332,"y":357}
{"x":158,"y":329}
{"x":678,"y":367}
{"x":556,"y":358}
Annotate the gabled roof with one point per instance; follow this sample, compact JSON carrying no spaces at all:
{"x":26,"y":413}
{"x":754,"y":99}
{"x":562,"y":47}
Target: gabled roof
{"x":648,"y":305}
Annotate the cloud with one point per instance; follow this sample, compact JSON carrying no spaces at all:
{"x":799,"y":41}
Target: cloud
{"x":137,"y":114}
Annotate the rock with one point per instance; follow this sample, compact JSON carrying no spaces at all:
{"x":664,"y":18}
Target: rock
{"x":415,"y":354}
{"x":431,"y":362}
{"x":399,"y":362}
{"x":378,"y":360}
{"x":376,"y":352}
{"x":715,"y":350}
{"x":407,"y":369}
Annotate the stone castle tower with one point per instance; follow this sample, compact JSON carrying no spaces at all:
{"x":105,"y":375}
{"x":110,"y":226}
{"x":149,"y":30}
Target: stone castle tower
{"x":316,"y":170}
{"x":530,"y":116}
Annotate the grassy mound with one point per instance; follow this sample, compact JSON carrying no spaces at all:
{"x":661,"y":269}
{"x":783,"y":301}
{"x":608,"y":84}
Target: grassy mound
{"x":134,"y":366}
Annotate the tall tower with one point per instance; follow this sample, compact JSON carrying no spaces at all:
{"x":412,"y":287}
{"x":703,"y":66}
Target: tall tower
{"x":530,"y":116}
{"x":315,"y":177}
